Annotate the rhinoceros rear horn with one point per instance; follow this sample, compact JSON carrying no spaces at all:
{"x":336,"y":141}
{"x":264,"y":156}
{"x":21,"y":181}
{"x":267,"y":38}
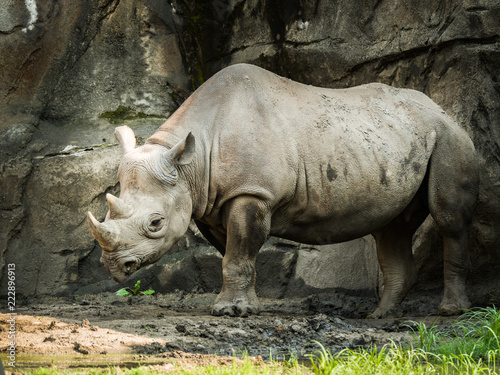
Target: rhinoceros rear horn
{"x":118,"y":208}
{"x":126,"y":137}
{"x":103,"y":235}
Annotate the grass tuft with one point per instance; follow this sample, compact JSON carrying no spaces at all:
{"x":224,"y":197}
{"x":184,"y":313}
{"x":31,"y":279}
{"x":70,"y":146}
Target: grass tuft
{"x":390,"y":359}
{"x":476,"y":335}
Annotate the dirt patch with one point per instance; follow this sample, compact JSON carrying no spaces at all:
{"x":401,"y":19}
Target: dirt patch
{"x":179,"y":326}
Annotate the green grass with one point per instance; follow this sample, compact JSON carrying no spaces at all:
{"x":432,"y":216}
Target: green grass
{"x":476,"y":334}
{"x":396,"y":360}
{"x":387,"y":360}
{"x":471,"y":346}
{"x":246,"y":366}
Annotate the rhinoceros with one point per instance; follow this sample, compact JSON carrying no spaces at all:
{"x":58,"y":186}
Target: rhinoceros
{"x":251,"y":154}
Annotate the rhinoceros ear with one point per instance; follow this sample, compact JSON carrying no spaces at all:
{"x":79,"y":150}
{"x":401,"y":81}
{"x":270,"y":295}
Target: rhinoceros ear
{"x":183,"y":152}
{"x":126,"y":137}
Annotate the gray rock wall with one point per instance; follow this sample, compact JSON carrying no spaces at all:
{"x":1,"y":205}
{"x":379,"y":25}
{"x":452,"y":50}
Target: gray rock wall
{"x":72,"y":71}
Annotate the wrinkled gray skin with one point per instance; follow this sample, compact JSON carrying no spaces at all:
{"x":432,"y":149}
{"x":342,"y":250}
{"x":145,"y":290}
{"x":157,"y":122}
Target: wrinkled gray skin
{"x":251,"y":154}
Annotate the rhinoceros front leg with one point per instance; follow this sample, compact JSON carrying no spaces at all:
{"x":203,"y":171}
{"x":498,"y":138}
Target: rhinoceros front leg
{"x":247,"y":221}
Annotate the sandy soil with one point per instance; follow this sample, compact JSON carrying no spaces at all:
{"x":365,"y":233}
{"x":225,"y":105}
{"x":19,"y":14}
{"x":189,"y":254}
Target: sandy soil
{"x":179,"y":326}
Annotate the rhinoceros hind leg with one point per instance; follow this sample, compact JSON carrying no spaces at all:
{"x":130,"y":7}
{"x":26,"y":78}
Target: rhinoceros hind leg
{"x":453,"y":227}
{"x":453,"y":192}
{"x":456,"y":266}
{"x":247,"y":221}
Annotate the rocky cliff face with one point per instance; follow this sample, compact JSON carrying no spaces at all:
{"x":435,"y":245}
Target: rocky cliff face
{"x":72,"y":71}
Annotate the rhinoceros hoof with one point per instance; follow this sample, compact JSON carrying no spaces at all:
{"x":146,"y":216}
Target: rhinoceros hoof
{"x":454,"y":305}
{"x":452,"y":309}
{"x":238,"y":308}
{"x":380,"y":312}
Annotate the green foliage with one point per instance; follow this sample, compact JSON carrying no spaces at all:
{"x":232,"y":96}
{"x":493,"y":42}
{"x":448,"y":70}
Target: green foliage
{"x":244,"y":366}
{"x":126,"y":292}
{"x":476,"y":334}
{"x":57,"y":371}
{"x":387,"y":360}
{"x":396,"y":360}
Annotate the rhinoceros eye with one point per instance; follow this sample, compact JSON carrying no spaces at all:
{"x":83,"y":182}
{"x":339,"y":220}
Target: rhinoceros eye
{"x":155,"y":223}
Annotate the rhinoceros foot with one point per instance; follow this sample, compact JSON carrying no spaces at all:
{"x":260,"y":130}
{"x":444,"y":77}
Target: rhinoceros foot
{"x":453,"y":308}
{"x":455,"y":299}
{"x":235,"y":305}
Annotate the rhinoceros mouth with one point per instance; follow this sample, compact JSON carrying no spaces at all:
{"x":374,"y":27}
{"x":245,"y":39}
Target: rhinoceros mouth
{"x":121,"y":276}
{"x":130,"y":266}
{"x":121,"y":270}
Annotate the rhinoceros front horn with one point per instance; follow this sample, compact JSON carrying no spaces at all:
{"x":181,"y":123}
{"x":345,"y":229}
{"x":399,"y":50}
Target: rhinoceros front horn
{"x":103,"y":235}
{"x":118,"y":208}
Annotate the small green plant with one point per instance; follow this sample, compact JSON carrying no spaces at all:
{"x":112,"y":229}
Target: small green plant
{"x":126,"y":292}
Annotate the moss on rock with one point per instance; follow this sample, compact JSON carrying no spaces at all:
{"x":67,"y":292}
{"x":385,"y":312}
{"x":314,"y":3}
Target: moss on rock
{"x":125,"y":113}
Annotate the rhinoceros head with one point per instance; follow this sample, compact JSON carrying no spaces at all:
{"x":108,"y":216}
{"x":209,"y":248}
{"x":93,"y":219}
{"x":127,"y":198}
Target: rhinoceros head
{"x":154,"y":208}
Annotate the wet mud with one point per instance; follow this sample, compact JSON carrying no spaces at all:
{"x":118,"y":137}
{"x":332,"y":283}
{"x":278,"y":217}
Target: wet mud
{"x":179,"y":326}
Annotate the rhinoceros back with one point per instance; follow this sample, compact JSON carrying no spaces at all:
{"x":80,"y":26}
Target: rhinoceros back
{"x":315,"y":155}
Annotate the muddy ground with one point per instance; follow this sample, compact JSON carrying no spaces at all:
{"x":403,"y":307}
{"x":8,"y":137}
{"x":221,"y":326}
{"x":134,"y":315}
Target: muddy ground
{"x":179,"y":325}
